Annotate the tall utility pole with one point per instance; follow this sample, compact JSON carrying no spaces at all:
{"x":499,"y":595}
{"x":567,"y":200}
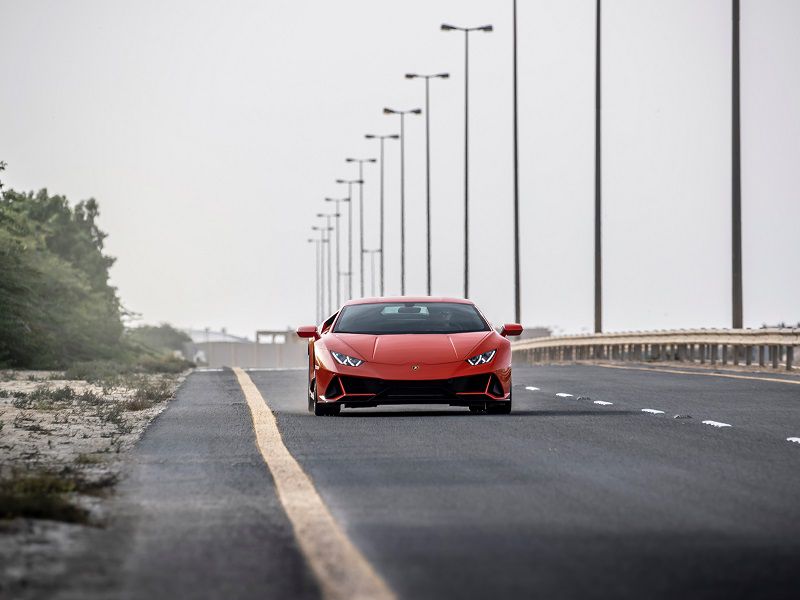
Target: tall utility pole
{"x":427,"y":79}
{"x":317,"y":284}
{"x":736,"y":183}
{"x":325,"y":235}
{"x":402,"y":113}
{"x":598,"y":241}
{"x":349,"y":183}
{"x":467,"y":31}
{"x":338,"y":201}
{"x":382,"y":138}
{"x":361,"y":162}
{"x":517,"y":293}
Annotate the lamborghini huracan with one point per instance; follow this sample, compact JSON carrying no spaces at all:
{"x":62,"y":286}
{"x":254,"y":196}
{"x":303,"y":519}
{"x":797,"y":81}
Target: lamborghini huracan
{"x":401,"y":350}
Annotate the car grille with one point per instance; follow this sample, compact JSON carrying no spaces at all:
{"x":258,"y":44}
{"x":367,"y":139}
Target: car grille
{"x":431,"y":388}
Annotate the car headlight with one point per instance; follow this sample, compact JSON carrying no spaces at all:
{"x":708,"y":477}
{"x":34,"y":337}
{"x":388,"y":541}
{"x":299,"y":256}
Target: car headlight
{"x":343,"y":359}
{"x":482,"y":359}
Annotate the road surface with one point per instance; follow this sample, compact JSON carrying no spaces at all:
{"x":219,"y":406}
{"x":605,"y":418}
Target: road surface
{"x":591,"y":488}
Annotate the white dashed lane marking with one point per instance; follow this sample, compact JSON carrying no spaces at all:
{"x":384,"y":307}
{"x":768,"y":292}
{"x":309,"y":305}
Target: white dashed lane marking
{"x":716,"y":424}
{"x":531,"y":388}
{"x":653,"y":411}
{"x":563,"y":395}
{"x":603,"y":403}
{"x":796,"y":440}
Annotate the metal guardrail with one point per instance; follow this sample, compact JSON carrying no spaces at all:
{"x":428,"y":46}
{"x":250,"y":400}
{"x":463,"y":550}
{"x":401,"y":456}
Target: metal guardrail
{"x":704,"y":346}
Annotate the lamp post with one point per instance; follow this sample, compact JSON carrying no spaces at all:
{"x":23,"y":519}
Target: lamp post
{"x":598,"y":222}
{"x":328,"y":217}
{"x":338,"y":268}
{"x":736,"y":179}
{"x":317,"y":285}
{"x":467,"y":31}
{"x":427,"y":79}
{"x":349,"y":183}
{"x":324,"y":234}
{"x":372,"y":254}
{"x":361,"y":162}
{"x":382,"y":138}
{"x":402,"y":113}
{"x":517,"y":292}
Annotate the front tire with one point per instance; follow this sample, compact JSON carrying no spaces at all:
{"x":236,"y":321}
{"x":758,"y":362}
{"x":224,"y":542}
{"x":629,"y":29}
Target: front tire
{"x":326,"y":410}
{"x":320,"y":409}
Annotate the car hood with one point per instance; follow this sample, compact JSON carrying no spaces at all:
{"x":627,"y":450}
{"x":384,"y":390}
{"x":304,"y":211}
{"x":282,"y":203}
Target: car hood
{"x":429,"y":349}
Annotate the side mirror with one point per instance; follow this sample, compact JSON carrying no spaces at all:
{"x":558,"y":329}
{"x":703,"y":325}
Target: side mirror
{"x":511,"y":329}
{"x":308,"y":331}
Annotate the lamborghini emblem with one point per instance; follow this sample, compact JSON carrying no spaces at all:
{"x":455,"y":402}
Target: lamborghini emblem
{"x":415,"y":367}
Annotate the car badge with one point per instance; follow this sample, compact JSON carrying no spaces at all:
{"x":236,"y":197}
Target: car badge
{"x":415,"y":367}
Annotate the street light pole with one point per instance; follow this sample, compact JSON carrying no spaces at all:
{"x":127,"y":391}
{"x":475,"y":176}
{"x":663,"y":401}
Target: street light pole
{"x":598,"y":238}
{"x":372,"y":254}
{"x":382,"y":138}
{"x":324,"y":233}
{"x":736,"y":184}
{"x":328,"y":217}
{"x":338,"y":267}
{"x":402,"y":113}
{"x":427,"y":79}
{"x":317,"y":250}
{"x":361,"y":162}
{"x":467,"y":31}
{"x":517,"y":292}
{"x":349,"y":183}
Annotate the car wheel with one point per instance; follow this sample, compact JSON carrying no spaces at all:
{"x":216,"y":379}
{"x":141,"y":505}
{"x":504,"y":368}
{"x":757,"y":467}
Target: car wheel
{"x":320,"y":409}
{"x":326,"y":410}
{"x":312,"y":392}
{"x":500,"y":408}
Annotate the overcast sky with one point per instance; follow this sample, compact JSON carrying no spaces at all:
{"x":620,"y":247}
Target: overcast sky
{"x":211,"y":131}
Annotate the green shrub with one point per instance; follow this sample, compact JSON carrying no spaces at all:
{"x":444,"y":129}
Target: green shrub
{"x":40,"y":496}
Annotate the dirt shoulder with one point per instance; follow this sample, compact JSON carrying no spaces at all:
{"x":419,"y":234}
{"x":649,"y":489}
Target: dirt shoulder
{"x":62,"y":445}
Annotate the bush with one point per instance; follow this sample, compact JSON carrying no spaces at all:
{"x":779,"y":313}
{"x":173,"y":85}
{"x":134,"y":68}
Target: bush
{"x":40,"y":496}
{"x":56,"y":305}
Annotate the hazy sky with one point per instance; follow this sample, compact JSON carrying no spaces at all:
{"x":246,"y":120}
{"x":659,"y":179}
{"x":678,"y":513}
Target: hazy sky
{"x":210,"y":132}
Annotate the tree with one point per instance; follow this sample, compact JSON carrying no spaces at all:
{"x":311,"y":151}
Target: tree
{"x":56,"y":305}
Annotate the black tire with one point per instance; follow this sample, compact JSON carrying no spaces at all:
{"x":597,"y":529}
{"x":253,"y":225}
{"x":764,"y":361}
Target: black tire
{"x":326,"y":410}
{"x":312,"y":391}
{"x":499,"y":408}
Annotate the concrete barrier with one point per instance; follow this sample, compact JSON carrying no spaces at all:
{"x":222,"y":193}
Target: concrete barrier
{"x":774,"y":347}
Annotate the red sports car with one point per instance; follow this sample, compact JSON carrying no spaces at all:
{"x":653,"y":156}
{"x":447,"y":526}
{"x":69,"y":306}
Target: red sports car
{"x":376,"y":351}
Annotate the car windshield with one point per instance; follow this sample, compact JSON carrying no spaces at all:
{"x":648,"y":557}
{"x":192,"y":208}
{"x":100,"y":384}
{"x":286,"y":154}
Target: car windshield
{"x":410,"y":317}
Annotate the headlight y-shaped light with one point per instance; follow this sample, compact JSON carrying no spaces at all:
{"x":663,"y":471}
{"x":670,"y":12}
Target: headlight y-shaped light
{"x":482,"y":359}
{"x":343,"y":359}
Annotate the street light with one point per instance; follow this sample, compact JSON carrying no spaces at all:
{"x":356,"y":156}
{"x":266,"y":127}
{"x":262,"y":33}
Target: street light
{"x":467,"y":31}
{"x":598,"y":183}
{"x":338,"y":268}
{"x":517,"y":292}
{"x":324,"y":234}
{"x":317,"y":279}
{"x":349,"y":183}
{"x":402,"y":113}
{"x":427,"y":79}
{"x":382,"y":138}
{"x":372,"y":254}
{"x":736,"y":178}
{"x":361,"y":162}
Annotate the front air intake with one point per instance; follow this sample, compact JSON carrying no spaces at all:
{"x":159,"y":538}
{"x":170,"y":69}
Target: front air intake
{"x":334,"y":389}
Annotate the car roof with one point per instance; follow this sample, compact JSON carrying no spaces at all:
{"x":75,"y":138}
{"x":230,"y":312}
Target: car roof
{"x":397,"y":299}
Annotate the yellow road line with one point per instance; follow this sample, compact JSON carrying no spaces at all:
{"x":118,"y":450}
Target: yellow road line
{"x":340,"y":568}
{"x":680,"y":372}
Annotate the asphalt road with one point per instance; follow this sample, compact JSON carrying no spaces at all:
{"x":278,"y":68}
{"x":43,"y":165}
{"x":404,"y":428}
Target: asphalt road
{"x":564,"y":498}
